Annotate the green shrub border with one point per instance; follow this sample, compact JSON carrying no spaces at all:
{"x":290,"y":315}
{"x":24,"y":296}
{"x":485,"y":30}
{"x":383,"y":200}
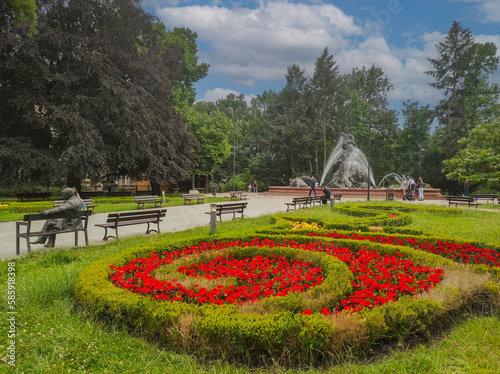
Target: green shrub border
{"x":223,"y":332}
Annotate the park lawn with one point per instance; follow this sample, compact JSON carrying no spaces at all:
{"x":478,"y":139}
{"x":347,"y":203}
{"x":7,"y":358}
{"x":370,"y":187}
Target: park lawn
{"x":174,"y":200}
{"x":54,"y":336}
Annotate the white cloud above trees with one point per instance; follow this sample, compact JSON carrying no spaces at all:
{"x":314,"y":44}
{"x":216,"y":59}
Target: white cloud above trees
{"x":246,"y":45}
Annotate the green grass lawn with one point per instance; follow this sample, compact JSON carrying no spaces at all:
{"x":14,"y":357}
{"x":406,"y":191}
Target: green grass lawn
{"x":173,"y":200}
{"x":54,"y":336}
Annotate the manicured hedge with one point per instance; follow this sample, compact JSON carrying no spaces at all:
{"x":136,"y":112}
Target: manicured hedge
{"x":283,"y":333}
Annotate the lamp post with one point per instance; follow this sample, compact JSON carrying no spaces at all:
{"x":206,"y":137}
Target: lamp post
{"x":420,"y":163}
{"x":369,"y":153}
{"x":234,"y":156}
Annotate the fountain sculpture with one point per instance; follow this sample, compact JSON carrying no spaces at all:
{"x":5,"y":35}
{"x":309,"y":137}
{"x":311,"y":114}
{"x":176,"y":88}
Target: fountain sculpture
{"x":347,"y":166}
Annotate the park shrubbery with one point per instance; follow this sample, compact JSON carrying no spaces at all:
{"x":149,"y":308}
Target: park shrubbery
{"x":296,"y":293}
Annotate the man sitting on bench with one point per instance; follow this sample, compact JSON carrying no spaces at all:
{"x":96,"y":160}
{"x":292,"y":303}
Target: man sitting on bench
{"x":326,"y":195}
{"x":71,"y":202}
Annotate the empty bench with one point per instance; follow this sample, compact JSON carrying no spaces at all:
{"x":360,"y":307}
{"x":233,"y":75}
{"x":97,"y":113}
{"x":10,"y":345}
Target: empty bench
{"x":89,"y":204}
{"x":461,"y":200}
{"x":192,"y":197}
{"x":237,"y":195}
{"x":229,"y":208}
{"x":485,"y":196}
{"x":119,"y":219}
{"x":28,"y":233}
{"x":300,"y":202}
{"x":143,"y":200}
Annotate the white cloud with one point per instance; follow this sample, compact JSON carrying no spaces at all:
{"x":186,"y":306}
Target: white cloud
{"x":488,"y":10}
{"x":218,"y":93}
{"x":221,"y":93}
{"x":259,"y":44}
{"x":251,"y":45}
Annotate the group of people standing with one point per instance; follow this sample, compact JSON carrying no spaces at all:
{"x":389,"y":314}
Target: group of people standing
{"x":253,"y":187}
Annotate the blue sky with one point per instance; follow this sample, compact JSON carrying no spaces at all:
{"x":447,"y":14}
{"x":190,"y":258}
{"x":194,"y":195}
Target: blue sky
{"x":250,"y":44}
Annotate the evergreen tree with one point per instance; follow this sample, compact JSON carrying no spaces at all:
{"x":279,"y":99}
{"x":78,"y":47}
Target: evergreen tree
{"x":461,"y":71}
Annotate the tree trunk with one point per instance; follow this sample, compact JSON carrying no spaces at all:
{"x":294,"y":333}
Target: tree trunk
{"x":72,"y":180}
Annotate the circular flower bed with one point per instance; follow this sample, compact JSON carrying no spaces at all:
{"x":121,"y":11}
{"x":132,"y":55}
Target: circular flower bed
{"x":378,"y":279}
{"x":323,"y":294}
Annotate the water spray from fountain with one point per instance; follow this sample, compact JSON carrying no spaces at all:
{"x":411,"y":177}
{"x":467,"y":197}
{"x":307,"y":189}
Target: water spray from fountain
{"x":347,"y":166}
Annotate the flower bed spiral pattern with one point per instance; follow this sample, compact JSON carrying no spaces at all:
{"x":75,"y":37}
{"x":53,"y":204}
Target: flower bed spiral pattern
{"x":378,"y":279}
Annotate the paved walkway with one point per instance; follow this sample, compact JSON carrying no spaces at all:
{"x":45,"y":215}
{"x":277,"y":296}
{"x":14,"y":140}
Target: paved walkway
{"x":178,"y":218}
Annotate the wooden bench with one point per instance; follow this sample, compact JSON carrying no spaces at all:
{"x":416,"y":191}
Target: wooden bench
{"x":313,"y":200}
{"x":129,"y":218}
{"x":301,"y":202}
{"x":461,"y":200}
{"x":89,"y":204}
{"x":192,"y":197}
{"x":237,"y":195}
{"x":28,"y":219}
{"x":337,"y":196}
{"x":34,"y":196}
{"x":143,"y":200}
{"x":486,"y":196}
{"x":228,"y":208}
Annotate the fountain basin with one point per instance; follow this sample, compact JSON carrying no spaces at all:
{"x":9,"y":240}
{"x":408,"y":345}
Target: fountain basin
{"x":356,"y":193}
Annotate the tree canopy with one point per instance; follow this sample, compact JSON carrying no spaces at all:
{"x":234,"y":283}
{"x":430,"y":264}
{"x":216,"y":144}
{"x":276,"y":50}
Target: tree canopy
{"x":479,"y":159}
{"x":90,"y":94}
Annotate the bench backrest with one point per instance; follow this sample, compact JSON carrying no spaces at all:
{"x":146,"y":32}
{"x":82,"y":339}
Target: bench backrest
{"x":139,"y":198}
{"x":483,"y":195}
{"x":84,"y":214}
{"x":61,"y":202}
{"x":459,"y":198}
{"x":135,"y":215}
{"x":300,"y":199}
{"x":231,"y":206}
{"x":235,"y":193}
{"x":191,"y":195}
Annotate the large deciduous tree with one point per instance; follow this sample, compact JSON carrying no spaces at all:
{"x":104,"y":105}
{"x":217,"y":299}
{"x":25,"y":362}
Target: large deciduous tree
{"x":184,"y":40}
{"x":479,"y":159}
{"x":91,"y":93}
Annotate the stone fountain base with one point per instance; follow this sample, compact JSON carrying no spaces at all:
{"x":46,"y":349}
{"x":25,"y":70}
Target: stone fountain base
{"x":357,"y":193}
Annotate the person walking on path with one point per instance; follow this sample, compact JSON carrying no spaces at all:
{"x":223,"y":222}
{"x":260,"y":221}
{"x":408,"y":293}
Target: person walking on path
{"x":466,"y":186}
{"x":71,"y":202}
{"x":420,"y":185}
{"x":313,"y":186}
{"x":255,"y":185}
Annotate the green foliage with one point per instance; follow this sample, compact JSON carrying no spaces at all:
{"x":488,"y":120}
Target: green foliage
{"x":461,"y":70}
{"x":211,"y":130}
{"x":479,"y":159}
{"x":24,"y":12}
{"x":65,"y":121}
{"x":184,"y":40}
{"x":31,"y":207}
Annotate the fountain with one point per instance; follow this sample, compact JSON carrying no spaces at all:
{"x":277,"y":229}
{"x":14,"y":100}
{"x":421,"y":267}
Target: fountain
{"x":401,"y":180}
{"x":346,"y":173}
{"x":347,"y":166}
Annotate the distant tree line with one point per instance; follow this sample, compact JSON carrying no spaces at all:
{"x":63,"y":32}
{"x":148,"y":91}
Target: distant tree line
{"x":96,"y":90}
